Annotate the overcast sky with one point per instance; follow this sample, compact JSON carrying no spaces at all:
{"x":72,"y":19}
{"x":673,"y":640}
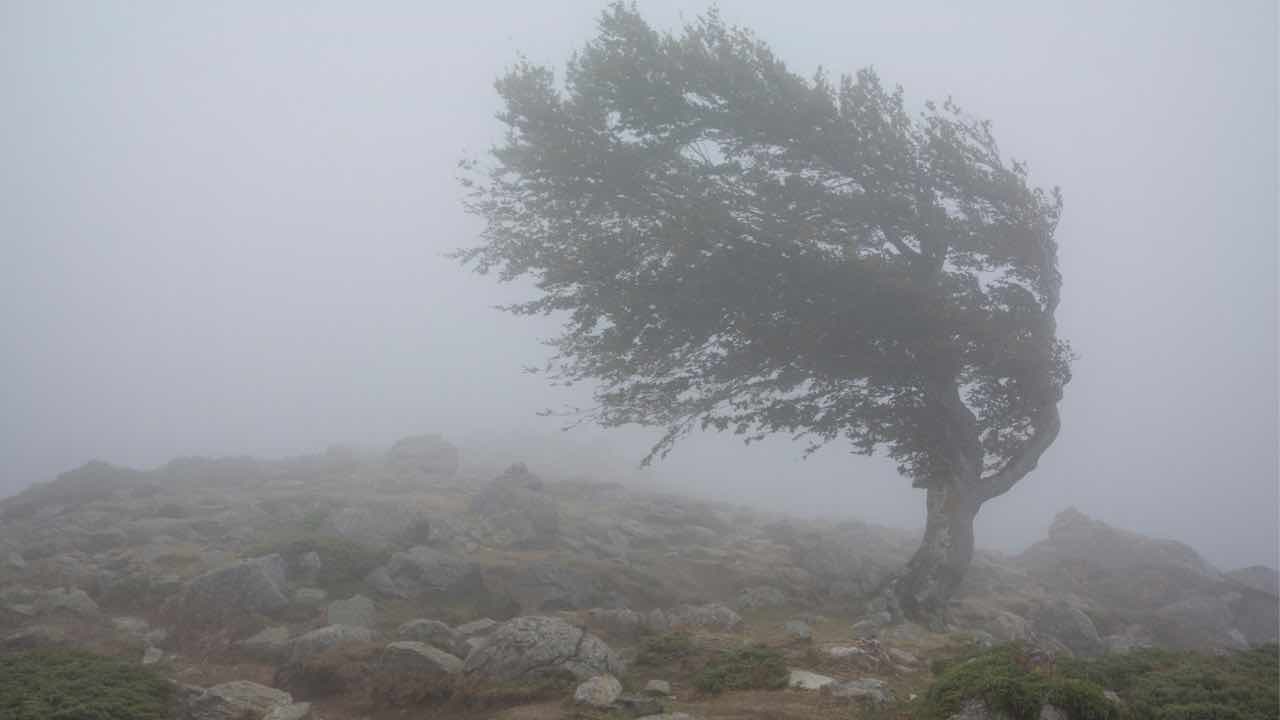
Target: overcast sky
{"x":222,"y":227}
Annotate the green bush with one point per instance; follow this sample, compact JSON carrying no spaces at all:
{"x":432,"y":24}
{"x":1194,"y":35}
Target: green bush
{"x":69,"y":685}
{"x":749,"y":668}
{"x":1152,"y":684}
{"x":664,"y":649}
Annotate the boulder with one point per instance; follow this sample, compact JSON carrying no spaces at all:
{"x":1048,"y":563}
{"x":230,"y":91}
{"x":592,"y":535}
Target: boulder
{"x":235,"y":700}
{"x":805,"y":680}
{"x":658,"y":687}
{"x":622,"y":623}
{"x":296,"y":711}
{"x":534,"y":645}
{"x":1258,"y":577}
{"x":712,"y":616}
{"x":309,"y":597}
{"x":512,"y":511}
{"x":420,"y":460}
{"x":325,"y":638}
{"x":271,"y":644}
{"x":434,"y":633}
{"x":70,"y":600}
{"x":423,"y":571}
{"x":417,"y":659}
{"x":356,"y":611}
{"x":977,"y":710}
{"x":1070,"y":626}
{"x":483,"y":626}
{"x":599,"y":691}
{"x":256,"y":585}
{"x":548,"y":586}
{"x":307,"y":568}
{"x":797,"y":630}
{"x":870,"y":690}
{"x":760,"y":597}
{"x":34,"y":637}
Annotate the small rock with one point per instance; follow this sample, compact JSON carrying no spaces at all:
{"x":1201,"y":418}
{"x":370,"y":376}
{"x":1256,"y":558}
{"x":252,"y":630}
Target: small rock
{"x":269,"y":644}
{"x":805,"y":680}
{"x":712,"y":616}
{"x":637,"y":705}
{"x":797,"y":630}
{"x":845,"y":651}
{"x":1112,"y":696}
{"x":355,"y":611}
{"x":321,"y":639}
{"x":902,"y":657}
{"x":296,"y":711}
{"x":482,"y":626}
{"x":658,"y":687}
{"x":136,"y":627}
{"x":418,"y":659}
{"x":309,"y":567}
{"x":35,"y":636}
{"x":236,"y":699}
{"x":760,"y":597}
{"x":309,"y":597}
{"x":600,"y":691}
{"x":864,"y":689}
{"x":869,"y":626}
{"x":74,"y":600}
{"x":1052,"y":712}
{"x":435,"y":633}
{"x":16,"y":562}
{"x":152,"y":655}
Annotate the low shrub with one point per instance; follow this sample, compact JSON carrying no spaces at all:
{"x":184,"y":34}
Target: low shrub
{"x":1152,"y":684}
{"x":749,"y":668}
{"x":664,"y":649}
{"x":72,"y":685}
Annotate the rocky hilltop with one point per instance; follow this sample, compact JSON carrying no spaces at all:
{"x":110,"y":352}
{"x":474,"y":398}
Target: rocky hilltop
{"x":347,"y":583}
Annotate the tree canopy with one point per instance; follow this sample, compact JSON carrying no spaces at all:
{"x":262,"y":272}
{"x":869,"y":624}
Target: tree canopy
{"x":738,"y":247}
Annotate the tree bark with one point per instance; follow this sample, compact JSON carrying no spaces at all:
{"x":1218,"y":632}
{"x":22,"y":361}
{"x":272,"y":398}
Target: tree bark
{"x":938,"y":567}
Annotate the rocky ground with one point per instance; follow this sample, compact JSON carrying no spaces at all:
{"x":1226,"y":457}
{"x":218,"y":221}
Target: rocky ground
{"x":399,"y":584}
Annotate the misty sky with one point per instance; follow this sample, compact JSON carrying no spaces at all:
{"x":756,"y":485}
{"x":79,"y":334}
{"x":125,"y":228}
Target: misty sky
{"x":222,"y":227}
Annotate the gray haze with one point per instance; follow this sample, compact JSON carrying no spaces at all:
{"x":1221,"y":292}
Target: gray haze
{"x":222,"y":227}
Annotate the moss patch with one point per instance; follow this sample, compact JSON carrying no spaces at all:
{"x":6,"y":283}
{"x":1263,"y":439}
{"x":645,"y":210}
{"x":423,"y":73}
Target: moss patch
{"x":664,"y":649}
{"x":749,"y":668}
{"x":69,"y":685}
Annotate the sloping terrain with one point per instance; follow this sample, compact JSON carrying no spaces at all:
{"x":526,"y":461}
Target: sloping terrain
{"x":370,"y":585}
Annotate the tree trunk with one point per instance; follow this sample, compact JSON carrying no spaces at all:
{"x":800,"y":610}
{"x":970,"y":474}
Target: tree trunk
{"x":937,"y":568}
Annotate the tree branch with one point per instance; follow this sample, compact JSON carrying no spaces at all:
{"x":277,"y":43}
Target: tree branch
{"x":1046,"y":426}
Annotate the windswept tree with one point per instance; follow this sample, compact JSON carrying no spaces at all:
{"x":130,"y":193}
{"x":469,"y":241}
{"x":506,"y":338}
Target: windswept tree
{"x":736,"y":247}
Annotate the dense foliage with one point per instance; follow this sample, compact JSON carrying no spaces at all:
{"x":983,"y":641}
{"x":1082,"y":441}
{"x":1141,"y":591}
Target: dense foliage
{"x":749,"y":668}
{"x":65,"y":685}
{"x":1151,"y":684}
{"x":737,"y":247}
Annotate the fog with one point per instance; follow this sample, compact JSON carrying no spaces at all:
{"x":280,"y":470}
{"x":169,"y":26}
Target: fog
{"x":223,"y":228}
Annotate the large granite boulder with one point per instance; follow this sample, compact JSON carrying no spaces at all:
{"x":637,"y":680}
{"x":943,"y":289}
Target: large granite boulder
{"x":537,"y":645}
{"x":257,"y":585}
{"x":235,"y":700}
{"x":421,"y":571}
{"x":1070,"y":626}
{"x":513,"y":511}
{"x":418,"y":461}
